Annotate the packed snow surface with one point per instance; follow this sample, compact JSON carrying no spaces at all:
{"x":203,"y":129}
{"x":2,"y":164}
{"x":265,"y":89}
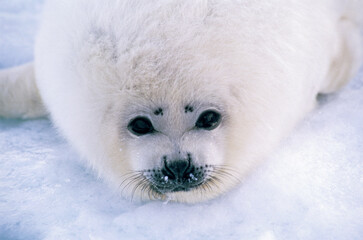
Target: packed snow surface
{"x":310,"y":188}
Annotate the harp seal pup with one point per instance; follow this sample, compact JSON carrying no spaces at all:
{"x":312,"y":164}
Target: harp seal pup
{"x":180,"y":100}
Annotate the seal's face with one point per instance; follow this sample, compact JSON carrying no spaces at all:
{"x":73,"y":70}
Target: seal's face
{"x":176,"y":149}
{"x":181,"y":120}
{"x":174,"y":144}
{"x":165,"y":124}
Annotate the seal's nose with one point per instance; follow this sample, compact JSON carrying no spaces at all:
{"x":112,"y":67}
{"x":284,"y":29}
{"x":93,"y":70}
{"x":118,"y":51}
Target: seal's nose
{"x":176,"y":169}
{"x":177,"y":175}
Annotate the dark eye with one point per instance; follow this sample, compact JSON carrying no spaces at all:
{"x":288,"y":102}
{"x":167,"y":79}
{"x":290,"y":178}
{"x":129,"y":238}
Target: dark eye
{"x":208,"y":120}
{"x":140,"y":126}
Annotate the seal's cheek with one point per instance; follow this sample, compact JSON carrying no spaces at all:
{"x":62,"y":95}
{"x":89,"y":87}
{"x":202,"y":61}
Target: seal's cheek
{"x":111,"y":154}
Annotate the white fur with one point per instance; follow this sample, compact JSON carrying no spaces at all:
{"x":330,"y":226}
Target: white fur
{"x":260,"y":63}
{"x":19,"y":96}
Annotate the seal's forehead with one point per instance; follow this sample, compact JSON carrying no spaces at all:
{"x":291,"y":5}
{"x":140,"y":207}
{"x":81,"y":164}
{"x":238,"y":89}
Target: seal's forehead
{"x":166,"y":100}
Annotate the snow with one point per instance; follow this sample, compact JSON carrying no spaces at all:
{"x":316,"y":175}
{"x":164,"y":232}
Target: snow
{"x":310,"y":188}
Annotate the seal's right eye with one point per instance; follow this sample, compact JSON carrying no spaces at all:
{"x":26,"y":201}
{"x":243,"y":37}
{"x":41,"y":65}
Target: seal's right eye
{"x":140,"y":126}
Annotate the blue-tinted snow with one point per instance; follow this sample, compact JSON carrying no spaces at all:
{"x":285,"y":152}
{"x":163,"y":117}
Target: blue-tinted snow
{"x":310,"y":188}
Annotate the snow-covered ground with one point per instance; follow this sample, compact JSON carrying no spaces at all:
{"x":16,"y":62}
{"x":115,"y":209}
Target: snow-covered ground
{"x":310,"y":188}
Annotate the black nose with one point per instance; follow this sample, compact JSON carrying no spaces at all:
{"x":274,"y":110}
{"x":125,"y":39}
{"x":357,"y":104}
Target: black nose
{"x":176,"y":169}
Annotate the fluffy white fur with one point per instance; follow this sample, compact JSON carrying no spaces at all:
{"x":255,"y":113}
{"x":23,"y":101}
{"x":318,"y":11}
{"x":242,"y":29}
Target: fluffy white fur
{"x":261,"y":64}
{"x":19,"y":96}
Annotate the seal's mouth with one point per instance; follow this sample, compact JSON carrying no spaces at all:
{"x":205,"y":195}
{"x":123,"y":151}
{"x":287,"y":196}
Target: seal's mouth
{"x":164,"y":181}
{"x":183,"y":186}
{"x":154,"y":184}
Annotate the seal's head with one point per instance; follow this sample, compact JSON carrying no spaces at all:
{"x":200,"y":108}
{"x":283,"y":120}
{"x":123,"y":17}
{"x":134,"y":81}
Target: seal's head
{"x":179,"y":127}
{"x":175,"y":144}
{"x":166,"y":112}
{"x":172,"y":137}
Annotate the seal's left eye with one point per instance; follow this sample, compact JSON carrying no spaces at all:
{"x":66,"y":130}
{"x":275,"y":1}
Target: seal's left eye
{"x":140,"y":126}
{"x":208,"y":120}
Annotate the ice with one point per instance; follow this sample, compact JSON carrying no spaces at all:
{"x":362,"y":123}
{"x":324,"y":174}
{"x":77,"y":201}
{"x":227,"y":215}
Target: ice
{"x":310,"y":188}
{"x":193,"y":177}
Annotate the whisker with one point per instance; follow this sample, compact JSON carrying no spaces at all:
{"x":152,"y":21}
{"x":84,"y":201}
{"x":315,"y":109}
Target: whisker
{"x":144,"y":187}
{"x":213,"y":182}
{"x":133,"y":174}
{"x":151,"y":193}
{"x":136,"y":187}
{"x":210,"y":187}
{"x":202,"y":189}
{"x":226,"y":171}
{"x":226,"y":175}
{"x":132,"y":180}
{"x":155,"y":195}
{"x":225,"y":167}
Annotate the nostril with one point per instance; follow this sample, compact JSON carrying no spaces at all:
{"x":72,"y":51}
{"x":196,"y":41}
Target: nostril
{"x":176,"y":169}
{"x":167,"y":172}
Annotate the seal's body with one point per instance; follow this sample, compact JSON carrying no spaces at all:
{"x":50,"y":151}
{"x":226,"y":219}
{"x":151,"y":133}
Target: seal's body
{"x":181,"y":99}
